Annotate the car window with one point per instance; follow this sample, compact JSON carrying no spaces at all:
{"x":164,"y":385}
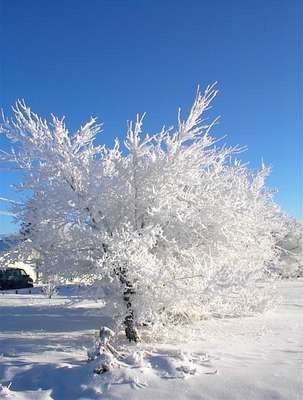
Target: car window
{"x":14,"y":273}
{"x":23,"y":273}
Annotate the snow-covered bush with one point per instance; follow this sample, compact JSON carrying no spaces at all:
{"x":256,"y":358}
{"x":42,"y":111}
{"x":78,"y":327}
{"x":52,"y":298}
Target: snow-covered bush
{"x":50,"y":290}
{"x":178,"y":227}
{"x":290,"y":262}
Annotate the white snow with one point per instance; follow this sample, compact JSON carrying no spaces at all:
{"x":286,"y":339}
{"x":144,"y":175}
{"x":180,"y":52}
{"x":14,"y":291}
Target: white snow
{"x":44,"y":342}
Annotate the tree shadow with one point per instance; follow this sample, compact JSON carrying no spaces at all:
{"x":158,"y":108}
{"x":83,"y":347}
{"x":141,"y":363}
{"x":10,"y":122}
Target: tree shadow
{"x":51,"y":319}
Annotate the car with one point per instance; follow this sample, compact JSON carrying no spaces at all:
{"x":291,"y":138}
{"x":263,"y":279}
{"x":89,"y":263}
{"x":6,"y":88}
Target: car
{"x":14,"y":278}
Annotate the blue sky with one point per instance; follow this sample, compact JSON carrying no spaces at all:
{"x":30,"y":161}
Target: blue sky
{"x":112,"y":59}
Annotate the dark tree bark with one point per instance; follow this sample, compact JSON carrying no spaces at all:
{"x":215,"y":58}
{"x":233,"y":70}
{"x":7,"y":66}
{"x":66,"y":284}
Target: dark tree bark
{"x":129,"y":321}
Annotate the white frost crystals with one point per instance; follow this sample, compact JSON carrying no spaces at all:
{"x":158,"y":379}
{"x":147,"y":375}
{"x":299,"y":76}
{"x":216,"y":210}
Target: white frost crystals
{"x":177,"y":226}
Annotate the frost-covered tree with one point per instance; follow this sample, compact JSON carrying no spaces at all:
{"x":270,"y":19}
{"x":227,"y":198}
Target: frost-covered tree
{"x":290,"y":263}
{"x":175,"y":225}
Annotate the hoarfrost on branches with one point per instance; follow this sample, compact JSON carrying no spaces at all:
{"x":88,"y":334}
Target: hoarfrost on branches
{"x":176,"y":226}
{"x":290,"y":263}
{"x":50,"y":290}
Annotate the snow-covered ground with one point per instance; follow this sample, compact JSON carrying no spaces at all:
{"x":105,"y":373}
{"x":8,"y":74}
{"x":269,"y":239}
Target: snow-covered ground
{"x":43,"y":353}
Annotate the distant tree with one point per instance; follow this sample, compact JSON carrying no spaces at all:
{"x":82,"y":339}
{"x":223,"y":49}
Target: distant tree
{"x":176,"y":225}
{"x":290,"y":263}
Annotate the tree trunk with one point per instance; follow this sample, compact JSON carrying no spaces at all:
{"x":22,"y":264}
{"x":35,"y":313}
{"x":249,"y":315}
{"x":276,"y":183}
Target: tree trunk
{"x":129,"y":321}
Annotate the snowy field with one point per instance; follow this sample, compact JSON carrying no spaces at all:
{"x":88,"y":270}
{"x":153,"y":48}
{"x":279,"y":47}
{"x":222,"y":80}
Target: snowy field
{"x":43,"y":353}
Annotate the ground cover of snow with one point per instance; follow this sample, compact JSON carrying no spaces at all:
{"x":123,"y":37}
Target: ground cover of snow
{"x":44,"y":342}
